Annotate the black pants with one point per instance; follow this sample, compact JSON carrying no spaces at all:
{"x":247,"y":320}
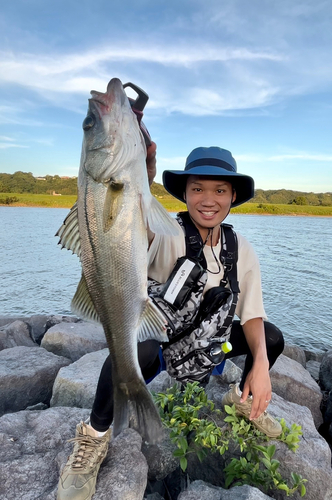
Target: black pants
{"x":148,"y":358}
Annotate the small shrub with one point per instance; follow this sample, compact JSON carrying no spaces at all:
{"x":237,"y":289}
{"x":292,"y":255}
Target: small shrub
{"x":182,"y":412}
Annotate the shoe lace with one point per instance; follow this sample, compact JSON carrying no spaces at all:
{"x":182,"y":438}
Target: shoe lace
{"x":85,"y":453}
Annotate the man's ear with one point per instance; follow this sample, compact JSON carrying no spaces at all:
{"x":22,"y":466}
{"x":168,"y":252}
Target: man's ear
{"x":234,"y":196}
{"x":184,"y":196}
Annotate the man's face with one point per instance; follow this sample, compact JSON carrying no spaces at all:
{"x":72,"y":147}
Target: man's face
{"x":208,"y":200}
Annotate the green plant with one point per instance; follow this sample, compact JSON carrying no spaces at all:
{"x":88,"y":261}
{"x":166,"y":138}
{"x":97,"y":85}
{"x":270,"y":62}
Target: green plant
{"x":192,"y":418}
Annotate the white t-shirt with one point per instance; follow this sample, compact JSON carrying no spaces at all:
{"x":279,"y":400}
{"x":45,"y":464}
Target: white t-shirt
{"x":165,"y":250}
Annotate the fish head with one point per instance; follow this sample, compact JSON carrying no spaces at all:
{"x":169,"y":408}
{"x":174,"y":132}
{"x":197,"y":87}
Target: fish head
{"x":112,"y":137}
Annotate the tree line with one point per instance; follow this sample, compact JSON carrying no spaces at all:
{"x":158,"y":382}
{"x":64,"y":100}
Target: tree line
{"x":25,"y":182}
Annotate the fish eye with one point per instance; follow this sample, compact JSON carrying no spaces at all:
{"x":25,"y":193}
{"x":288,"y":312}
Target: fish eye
{"x":88,"y":122}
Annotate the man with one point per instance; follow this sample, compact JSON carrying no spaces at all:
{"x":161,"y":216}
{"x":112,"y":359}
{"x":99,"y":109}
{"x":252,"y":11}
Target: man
{"x":210,"y":186}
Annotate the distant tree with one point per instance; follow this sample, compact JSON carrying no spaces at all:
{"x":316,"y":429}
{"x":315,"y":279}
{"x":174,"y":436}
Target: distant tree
{"x":299,"y":200}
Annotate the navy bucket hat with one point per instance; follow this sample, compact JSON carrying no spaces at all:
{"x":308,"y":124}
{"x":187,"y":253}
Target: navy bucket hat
{"x":212,"y":162}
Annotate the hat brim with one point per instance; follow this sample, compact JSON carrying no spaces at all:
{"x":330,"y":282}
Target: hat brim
{"x":175,"y":182}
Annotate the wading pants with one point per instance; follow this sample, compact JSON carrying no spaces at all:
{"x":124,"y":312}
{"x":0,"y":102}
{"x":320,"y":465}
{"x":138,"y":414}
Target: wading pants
{"x":148,"y":357}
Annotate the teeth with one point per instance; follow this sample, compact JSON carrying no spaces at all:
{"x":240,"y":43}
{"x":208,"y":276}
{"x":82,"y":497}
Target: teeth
{"x":208,"y":213}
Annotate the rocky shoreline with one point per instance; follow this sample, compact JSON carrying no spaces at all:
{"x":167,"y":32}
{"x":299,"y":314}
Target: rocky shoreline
{"x":49,"y":368}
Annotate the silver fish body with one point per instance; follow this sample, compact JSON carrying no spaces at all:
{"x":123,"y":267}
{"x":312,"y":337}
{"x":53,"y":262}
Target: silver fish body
{"x":114,"y":208}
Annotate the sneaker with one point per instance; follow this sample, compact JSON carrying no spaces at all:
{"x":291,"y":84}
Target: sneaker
{"x":78,"y":478}
{"x":265,"y":422}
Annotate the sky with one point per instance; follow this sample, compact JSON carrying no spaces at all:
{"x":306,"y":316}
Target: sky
{"x":251,"y":77}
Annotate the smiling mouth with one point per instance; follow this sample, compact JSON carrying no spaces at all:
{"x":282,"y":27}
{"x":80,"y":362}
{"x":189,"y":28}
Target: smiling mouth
{"x":207,"y":214}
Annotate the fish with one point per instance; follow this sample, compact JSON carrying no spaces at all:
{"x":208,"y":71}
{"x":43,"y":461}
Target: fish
{"x":108,"y":229}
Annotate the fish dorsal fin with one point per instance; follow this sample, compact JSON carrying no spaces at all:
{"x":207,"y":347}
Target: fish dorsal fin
{"x":69,"y":233}
{"x":159,"y":220}
{"x":153,"y":324}
{"x":82,"y":304}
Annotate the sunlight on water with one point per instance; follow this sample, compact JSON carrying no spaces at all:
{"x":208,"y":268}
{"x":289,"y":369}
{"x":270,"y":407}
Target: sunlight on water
{"x":37,"y":277}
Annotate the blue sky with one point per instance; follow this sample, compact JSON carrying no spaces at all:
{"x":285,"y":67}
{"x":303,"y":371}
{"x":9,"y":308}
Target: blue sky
{"x":252,"y":77}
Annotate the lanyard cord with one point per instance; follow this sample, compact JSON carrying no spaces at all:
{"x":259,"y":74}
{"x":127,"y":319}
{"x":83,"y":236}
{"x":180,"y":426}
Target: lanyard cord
{"x":210,"y":230}
{"x":209,"y":235}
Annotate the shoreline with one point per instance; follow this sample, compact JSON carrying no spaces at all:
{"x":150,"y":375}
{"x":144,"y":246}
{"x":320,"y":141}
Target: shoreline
{"x":178,"y":209}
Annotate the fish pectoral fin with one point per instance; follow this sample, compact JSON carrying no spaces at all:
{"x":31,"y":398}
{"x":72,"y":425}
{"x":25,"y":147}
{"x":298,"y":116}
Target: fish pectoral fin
{"x":113,"y":203}
{"x":159,"y":220}
{"x":69,"y":233}
{"x":153,"y":324}
{"x":82,"y":304}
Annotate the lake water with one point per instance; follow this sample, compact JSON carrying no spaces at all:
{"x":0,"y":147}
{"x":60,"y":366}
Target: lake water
{"x":295,"y":253}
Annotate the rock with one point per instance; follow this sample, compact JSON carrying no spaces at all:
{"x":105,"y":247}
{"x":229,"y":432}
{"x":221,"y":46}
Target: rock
{"x":37,"y":324}
{"x":199,"y":490}
{"x":296,"y":353}
{"x":124,"y":471}
{"x":33,"y":445}
{"x":313,"y":368}
{"x":73,"y":340}
{"x":160,"y":458}
{"x":291,"y":381}
{"x":325,"y":372}
{"x":312,"y":459}
{"x":314,"y":355}
{"x":161,"y":383}
{"x":7,"y":320}
{"x":15,"y":334}
{"x":75,"y":385}
{"x":27,"y":375}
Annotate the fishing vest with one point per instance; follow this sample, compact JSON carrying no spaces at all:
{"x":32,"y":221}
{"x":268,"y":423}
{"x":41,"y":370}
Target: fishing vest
{"x":196,"y":324}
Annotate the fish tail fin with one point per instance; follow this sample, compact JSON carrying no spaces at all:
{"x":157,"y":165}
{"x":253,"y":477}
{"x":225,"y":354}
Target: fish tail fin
{"x":135,"y":408}
{"x":159,"y":220}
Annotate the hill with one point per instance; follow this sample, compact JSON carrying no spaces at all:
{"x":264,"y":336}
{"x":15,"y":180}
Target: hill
{"x":25,"y":182}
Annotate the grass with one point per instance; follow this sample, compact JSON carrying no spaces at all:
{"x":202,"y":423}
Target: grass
{"x":171,"y":204}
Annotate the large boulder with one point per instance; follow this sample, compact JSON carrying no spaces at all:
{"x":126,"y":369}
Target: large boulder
{"x":75,"y":385}
{"x":15,"y":334}
{"x":294,"y":383}
{"x":34,"y":448}
{"x":325,"y":372}
{"x":27,"y":375}
{"x":199,"y":490}
{"x":73,"y":340}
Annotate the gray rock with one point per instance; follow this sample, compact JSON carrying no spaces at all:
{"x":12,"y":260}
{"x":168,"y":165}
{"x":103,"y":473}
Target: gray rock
{"x":7,"y":320}
{"x":160,"y":458}
{"x":27,"y":375}
{"x":231,"y":373}
{"x":199,"y":490}
{"x":292,"y":382}
{"x":313,"y":368}
{"x":325,"y":372}
{"x":312,"y":459}
{"x":123,"y":474}
{"x":296,"y":353}
{"x":75,"y":385}
{"x":15,"y":334}
{"x":33,"y":445}
{"x":34,"y":448}
{"x":73,"y":340}
{"x":161,"y":383}
{"x":314,"y":355}
{"x":38,"y":326}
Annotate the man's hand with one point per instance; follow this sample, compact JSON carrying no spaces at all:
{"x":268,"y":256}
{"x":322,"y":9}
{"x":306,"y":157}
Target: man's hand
{"x":151,"y":162}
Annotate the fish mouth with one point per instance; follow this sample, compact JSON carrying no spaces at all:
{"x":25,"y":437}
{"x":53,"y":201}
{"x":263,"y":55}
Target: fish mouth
{"x":114,"y":97}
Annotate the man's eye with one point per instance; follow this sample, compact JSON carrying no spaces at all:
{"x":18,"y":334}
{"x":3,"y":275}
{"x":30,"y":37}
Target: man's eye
{"x":88,"y":122}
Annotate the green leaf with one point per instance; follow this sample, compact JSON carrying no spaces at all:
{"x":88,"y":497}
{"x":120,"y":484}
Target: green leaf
{"x":303,"y":490}
{"x":183,"y":463}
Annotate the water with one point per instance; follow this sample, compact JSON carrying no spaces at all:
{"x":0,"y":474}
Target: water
{"x":37,"y":277}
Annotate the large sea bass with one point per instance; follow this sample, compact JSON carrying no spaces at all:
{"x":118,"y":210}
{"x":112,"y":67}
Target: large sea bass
{"x":107,"y":228}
